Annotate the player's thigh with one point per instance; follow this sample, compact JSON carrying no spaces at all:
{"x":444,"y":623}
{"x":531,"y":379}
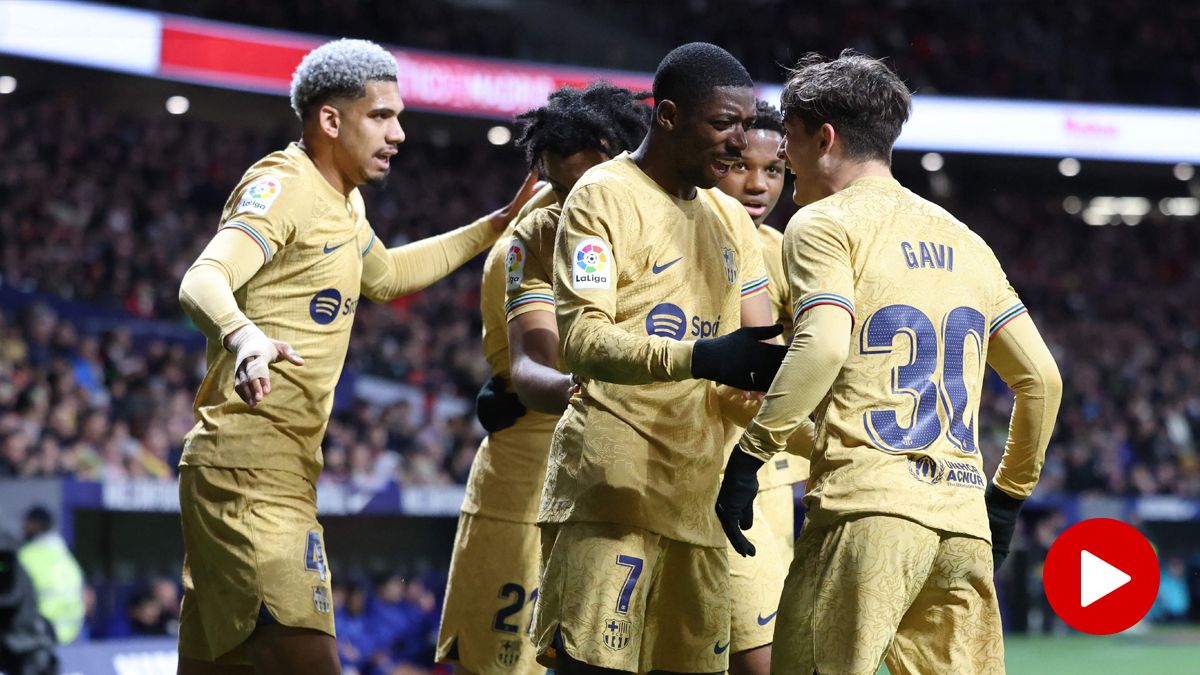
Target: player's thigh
{"x":953,"y":625}
{"x":756,"y":582}
{"x":687,"y":611}
{"x":592,"y":598}
{"x":284,"y":650}
{"x":490,"y":595}
{"x":849,"y":585}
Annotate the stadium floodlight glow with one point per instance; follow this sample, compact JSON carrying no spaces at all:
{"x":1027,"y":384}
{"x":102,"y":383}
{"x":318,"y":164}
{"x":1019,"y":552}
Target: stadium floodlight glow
{"x":178,"y":105}
{"x":1073,"y":205}
{"x":1069,"y":167}
{"x":8,"y":84}
{"x":1179,"y":206}
{"x":932,"y":161}
{"x":499,"y":135}
{"x":1184,"y":171}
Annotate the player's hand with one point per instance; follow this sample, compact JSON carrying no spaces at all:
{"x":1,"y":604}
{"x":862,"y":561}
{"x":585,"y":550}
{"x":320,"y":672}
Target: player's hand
{"x":254,"y":353}
{"x":1002,"y":513}
{"x":740,"y":359}
{"x":735,"y":501}
{"x":496,"y":407}
{"x":502,"y":216}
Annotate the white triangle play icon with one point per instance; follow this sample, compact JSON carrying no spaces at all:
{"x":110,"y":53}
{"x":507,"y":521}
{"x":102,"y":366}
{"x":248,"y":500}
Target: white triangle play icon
{"x":1097,"y":578}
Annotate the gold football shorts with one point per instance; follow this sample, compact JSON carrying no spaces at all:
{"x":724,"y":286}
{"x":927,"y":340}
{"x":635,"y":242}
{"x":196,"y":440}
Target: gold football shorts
{"x":882,"y":588}
{"x":756,"y":582}
{"x":250,"y":539}
{"x":488,"y":613}
{"x":620,"y":597}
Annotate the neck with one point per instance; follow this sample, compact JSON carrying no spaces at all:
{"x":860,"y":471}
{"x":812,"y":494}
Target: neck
{"x":653,"y":157}
{"x":321,"y":155}
{"x":846,"y":172}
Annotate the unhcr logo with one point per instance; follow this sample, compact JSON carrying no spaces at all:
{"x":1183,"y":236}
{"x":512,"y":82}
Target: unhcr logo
{"x":324,"y":306}
{"x":925,"y":469}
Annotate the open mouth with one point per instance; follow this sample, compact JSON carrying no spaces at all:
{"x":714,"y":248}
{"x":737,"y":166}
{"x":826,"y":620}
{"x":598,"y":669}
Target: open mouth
{"x":384,"y":159}
{"x":755,"y":210}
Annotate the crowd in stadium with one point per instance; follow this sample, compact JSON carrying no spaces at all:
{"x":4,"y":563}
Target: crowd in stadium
{"x":118,"y":235}
{"x":1024,"y":50}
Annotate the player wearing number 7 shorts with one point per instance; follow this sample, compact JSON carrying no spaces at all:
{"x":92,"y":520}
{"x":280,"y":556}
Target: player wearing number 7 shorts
{"x":898,"y":307}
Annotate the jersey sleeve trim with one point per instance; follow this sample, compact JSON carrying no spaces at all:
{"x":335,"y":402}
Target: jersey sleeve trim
{"x":754,"y":287}
{"x":530,"y":298}
{"x":369,"y":245}
{"x":1006,"y":316}
{"x":253,"y":234}
{"x":824,"y":299}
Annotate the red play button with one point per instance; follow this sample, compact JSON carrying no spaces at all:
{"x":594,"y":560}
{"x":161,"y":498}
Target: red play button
{"x":1101,"y":576}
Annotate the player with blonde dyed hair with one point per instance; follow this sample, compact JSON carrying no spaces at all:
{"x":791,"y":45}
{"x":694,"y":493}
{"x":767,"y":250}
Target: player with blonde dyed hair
{"x":898,"y":307}
{"x":275,"y":292}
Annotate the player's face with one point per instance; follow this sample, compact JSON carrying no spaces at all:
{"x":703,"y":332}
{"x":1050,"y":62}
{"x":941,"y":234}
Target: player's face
{"x":369,"y":132}
{"x":563,"y":172}
{"x":803,"y":153}
{"x":757,"y":179}
{"x":712,"y":136}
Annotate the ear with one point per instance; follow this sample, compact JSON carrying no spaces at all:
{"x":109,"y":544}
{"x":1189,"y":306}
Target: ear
{"x":666,"y":114}
{"x":827,"y":137}
{"x":329,"y":118}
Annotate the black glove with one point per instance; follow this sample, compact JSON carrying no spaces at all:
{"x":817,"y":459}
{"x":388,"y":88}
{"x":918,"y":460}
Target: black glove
{"x":735,"y":501}
{"x":740,"y":359}
{"x":496,"y":407}
{"x":1002,"y":513}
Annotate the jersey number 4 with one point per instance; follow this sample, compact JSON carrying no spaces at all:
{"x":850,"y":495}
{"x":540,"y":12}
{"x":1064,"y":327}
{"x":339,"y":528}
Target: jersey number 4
{"x":916,"y":379}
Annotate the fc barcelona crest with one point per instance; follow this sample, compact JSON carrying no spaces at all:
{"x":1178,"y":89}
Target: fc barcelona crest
{"x":616,"y":634}
{"x":731,"y":270}
{"x":510,"y":652}
{"x":321,"y":601}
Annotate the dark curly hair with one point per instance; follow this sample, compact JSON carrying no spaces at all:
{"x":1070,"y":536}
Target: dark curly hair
{"x":767,"y":117}
{"x":601,"y":116}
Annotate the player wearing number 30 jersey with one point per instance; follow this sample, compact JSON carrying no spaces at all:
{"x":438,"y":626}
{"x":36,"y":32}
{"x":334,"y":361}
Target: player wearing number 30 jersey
{"x":898,"y":306}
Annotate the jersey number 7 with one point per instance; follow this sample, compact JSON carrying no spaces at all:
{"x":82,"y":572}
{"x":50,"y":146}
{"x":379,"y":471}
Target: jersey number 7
{"x":916,"y":379}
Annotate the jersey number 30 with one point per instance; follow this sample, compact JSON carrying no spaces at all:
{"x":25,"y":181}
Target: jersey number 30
{"x":924,"y":426}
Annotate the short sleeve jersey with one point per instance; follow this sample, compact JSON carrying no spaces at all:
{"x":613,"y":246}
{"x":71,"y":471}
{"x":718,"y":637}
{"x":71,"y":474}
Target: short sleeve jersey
{"x":898,"y":431}
{"x":507,"y":485}
{"x":312,"y":240}
{"x":631,"y":260}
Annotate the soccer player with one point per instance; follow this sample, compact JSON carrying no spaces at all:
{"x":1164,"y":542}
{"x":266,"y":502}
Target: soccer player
{"x":280,"y":279}
{"x":756,"y":582}
{"x":494,"y":569}
{"x":653,"y":273}
{"x":897,"y":306}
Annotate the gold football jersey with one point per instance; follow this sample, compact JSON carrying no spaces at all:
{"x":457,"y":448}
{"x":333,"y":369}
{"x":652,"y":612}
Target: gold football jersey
{"x":507,"y":473}
{"x":638,"y":274}
{"x":313,"y":240}
{"x":531,"y":264}
{"x":897,"y":432}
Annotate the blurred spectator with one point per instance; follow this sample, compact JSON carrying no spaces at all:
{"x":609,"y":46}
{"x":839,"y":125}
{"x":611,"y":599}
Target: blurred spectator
{"x":26,"y":637}
{"x":57,"y":578}
{"x":1174,"y":596}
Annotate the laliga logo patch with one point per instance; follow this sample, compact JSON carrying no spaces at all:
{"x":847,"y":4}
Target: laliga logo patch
{"x":260,"y":195}
{"x":514,"y":264}
{"x":324,"y":306}
{"x":592,"y":266}
{"x":666,"y":320}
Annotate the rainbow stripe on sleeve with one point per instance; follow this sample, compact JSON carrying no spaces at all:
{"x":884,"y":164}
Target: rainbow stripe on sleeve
{"x":751,"y":287}
{"x":253,"y":234}
{"x":1006,"y":316}
{"x":530,"y":298}
{"x":823,"y":299}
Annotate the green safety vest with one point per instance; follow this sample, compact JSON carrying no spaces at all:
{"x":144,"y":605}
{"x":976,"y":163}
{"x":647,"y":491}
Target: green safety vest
{"x":58,"y":581}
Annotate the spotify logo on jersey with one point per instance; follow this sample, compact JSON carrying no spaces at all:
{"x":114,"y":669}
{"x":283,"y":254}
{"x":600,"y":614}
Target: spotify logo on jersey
{"x":324,"y":306}
{"x":667,"y":320}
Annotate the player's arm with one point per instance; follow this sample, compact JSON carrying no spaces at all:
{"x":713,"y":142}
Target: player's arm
{"x":817,"y":255}
{"x":392,"y":272}
{"x":533,"y":362}
{"x":1018,"y":354}
{"x":594,"y":347}
{"x":233,"y":256}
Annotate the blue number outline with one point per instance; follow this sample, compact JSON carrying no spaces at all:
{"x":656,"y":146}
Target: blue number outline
{"x":314,"y":555}
{"x":953,"y":393}
{"x":500,"y":623}
{"x":631,"y":579}
{"x":915,"y":379}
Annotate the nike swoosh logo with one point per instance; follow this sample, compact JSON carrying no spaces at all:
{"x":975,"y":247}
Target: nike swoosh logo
{"x":331,"y":249}
{"x":718,"y":649}
{"x":762,"y":621}
{"x":656,"y":268}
